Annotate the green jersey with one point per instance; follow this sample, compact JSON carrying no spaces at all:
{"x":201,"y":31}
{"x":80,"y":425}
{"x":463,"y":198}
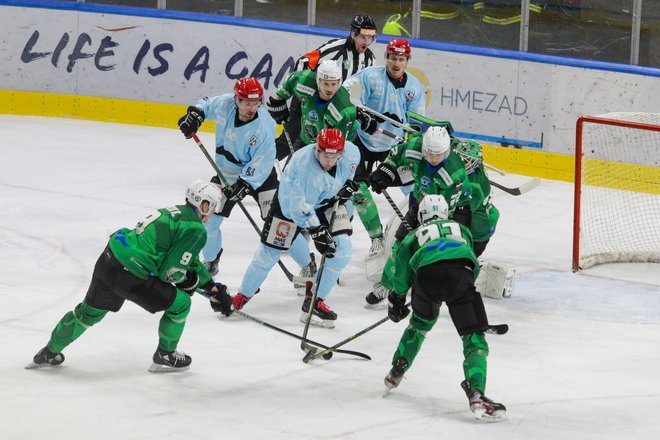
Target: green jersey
{"x":166,"y":244}
{"x":484,"y":214}
{"x":316,"y":115}
{"x":449,"y":180}
{"x":434,"y":241}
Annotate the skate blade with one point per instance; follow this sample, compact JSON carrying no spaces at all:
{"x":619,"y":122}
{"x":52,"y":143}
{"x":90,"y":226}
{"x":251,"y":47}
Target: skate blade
{"x":317,"y":322}
{"x":33,"y":366}
{"x":158,"y":368}
{"x":483,"y":416}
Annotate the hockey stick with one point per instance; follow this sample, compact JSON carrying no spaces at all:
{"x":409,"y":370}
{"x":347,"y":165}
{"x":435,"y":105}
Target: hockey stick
{"x":329,"y":350}
{"x":288,"y":333}
{"x":304,"y":346}
{"x":397,"y":210}
{"x":293,"y":278}
{"x":518,"y":190}
{"x":355,"y":95}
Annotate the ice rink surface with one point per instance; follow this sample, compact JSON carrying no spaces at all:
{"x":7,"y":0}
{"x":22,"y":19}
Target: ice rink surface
{"x":579,"y":362}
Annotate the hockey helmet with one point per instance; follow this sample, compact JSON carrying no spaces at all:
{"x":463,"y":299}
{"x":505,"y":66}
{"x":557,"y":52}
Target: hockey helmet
{"x":398,"y":46}
{"x":471,"y":154}
{"x":328,"y":70}
{"x":330,"y":141}
{"x":363,"y":25}
{"x":248,"y":88}
{"x":436,"y":141}
{"x":200,"y":191}
{"x":432,"y":206}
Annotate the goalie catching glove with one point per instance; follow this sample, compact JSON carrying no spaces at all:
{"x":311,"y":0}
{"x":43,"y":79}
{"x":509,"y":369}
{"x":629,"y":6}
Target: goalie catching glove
{"x":323,"y":241}
{"x":278,"y":110}
{"x":191,"y":121}
{"x":397,"y":309}
{"x":381,"y":178}
{"x":220,"y":299}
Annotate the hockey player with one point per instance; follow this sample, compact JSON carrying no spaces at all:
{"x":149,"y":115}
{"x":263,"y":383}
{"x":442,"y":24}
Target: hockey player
{"x":351,"y":53}
{"x":440,"y":249}
{"x":317,"y":176}
{"x":391,"y":91}
{"x":484,"y":214}
{"x":156,"y":266}
{"x":244,"y":153}
{"x":324,"y":103}
{"x":427,"y":160}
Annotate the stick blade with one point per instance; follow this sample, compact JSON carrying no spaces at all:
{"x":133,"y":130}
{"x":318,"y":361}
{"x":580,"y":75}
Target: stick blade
{"x":529,"y":185}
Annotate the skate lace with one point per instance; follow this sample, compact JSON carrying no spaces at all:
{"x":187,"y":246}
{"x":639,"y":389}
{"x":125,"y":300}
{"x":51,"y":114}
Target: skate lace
{"x":320,"y":305}
{"x":239,"y":301}
{"x":380,"y":291}
{"x":376,"y":245}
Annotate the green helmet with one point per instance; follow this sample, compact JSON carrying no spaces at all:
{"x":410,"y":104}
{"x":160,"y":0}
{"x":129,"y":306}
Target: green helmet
{"x":471,"y":154}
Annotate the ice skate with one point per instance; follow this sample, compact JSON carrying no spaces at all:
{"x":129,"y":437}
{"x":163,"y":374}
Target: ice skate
{"x":322,"y":316}
{"x":481,"y":406}
{"x":212,"y":266}
{"x":45,"y":358}
{"x":377,"y":247}
{"x":394,"y":377}
{"x":377,"y":295}
{"x":308,"y":271}
{"x":239,"y":300}
{"x":169,"y":361}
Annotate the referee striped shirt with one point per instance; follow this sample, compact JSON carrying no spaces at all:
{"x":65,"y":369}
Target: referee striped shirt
{"x":337,"y":49}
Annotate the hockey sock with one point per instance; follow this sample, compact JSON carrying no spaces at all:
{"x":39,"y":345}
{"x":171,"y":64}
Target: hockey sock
{"x":74,"y":324}
{"x":368,"y":212}
{"x":173,"y":321}
{"x":475,"y":352}
{"x":412,"y":338}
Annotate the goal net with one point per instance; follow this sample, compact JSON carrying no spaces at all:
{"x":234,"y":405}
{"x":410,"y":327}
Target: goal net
{"x":617,"y":189}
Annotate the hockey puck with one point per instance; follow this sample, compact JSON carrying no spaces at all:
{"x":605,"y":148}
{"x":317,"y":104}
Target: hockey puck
{"x":327,"y":356}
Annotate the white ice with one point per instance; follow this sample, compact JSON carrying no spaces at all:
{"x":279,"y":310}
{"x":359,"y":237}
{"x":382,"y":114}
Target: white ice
{"x":580,"y":361}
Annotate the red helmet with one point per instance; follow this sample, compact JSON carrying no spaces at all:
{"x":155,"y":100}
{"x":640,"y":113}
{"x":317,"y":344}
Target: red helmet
{"x":331,"y":141}
{"x":248,"y":88}
{"x":398,"y":46}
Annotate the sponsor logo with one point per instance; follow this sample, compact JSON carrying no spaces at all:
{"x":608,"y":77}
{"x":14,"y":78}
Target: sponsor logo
{"x":253,"y":141}
{"x":425,"y":182}
{"x":313,"y":115}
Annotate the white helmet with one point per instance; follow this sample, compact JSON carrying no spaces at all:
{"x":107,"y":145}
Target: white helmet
{"x":436,"y":141}
{"x":328,"y":70}
{"x":199,"y":191}
{"x":432,"y":206}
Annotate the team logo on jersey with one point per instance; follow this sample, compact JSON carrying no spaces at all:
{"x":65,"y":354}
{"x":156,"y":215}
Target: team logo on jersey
{"x":249,"y":171}
{"x":353,"y":166}
{"x":425,"y":182}
{"x":409,"y":95}
{"x":313,"y":115}
{"x":283,"y":229}
{"x":253,"y":140}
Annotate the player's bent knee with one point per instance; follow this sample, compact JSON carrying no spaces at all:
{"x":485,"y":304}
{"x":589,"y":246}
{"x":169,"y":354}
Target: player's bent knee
{"x":88,"y":315}
{"x":180,"y":307}
{"x":468,"y":314}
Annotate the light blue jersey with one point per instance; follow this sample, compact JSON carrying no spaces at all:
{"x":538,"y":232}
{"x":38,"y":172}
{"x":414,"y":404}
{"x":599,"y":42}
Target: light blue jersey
{"x":246,"y":150}
{"x":305,"y":185}
{"x":379,"y":94}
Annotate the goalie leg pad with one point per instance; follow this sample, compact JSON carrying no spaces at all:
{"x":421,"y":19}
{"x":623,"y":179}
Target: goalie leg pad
{"x":495,"y":280}
{"x":468,"y":313}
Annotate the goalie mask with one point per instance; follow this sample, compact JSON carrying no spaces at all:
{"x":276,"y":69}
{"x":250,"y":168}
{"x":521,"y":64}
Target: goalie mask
{"x":471,"y":154}
{"x":200,"y":191}
{"x":432,"y":207}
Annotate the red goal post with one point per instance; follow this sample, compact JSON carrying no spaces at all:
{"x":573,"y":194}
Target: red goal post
{"x":616,"y":212}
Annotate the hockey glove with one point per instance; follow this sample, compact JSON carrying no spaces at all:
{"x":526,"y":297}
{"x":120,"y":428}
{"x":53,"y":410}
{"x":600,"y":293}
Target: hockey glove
{"x":278,"y":110}
{"x":235,"y":193}
{"x":381,"y":178}
{"x":189,"y":284}
{"x":323,"y":241}
{"x":221,"y":300}
{"x":190,"y":123}
{"x":397,"y":309}
{"x":368,"y":124}
{"x":463,"y":215}
{"x":347,"y":191}
{"x":391,"y":116}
